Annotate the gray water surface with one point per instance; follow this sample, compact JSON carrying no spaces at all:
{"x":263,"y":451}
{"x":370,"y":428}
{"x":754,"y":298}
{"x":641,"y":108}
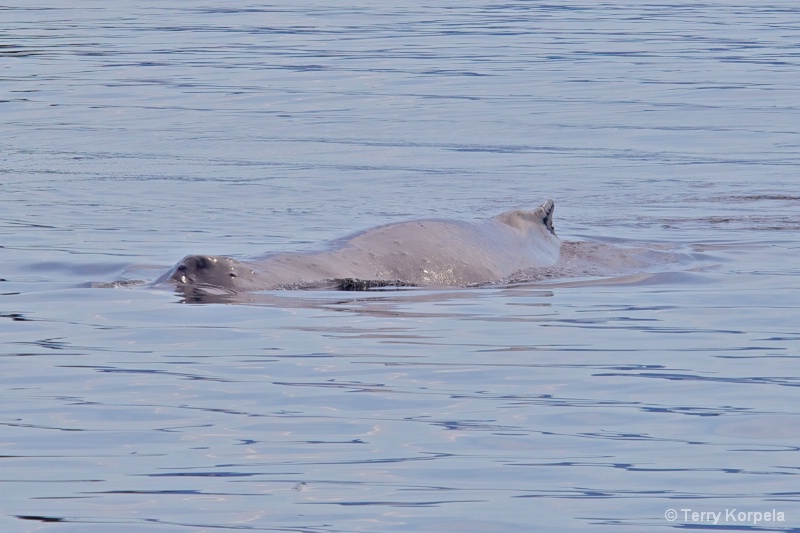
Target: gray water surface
{"x":135,"y":133}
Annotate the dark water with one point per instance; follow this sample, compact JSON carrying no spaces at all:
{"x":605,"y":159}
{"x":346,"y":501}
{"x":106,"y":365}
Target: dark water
{"x":135,"y":133}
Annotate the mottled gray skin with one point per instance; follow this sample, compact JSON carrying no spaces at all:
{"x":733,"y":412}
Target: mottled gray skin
{"x":421,"y":253}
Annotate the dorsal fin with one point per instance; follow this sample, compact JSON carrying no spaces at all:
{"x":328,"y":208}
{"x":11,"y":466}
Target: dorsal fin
{"x":545,"y":211}
{"x":523,"y":220}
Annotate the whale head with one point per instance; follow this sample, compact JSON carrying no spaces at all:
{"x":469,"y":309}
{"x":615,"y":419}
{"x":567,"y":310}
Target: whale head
{"x":211,"y":271}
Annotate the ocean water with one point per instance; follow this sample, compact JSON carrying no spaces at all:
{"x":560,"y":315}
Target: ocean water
{"x":652,"y":396}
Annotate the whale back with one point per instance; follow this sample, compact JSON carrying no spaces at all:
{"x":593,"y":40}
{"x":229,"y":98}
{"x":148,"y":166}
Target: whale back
{"x":419,"y":252}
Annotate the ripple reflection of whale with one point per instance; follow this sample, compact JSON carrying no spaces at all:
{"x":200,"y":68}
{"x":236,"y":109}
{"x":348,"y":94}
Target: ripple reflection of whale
{"x":432,"y":253}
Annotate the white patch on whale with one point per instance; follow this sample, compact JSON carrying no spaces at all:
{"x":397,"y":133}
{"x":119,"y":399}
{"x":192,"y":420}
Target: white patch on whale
{"x":429,"y":253}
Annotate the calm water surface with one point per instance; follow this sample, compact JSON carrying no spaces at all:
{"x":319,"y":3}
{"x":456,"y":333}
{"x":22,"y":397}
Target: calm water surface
{"x":134,"y":133}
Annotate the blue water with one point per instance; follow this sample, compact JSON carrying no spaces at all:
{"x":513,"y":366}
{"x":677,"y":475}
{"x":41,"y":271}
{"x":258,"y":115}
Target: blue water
{"x":134,"y":133}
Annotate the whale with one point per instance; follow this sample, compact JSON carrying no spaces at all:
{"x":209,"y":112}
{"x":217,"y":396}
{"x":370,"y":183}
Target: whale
{"x":416,"y":253}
